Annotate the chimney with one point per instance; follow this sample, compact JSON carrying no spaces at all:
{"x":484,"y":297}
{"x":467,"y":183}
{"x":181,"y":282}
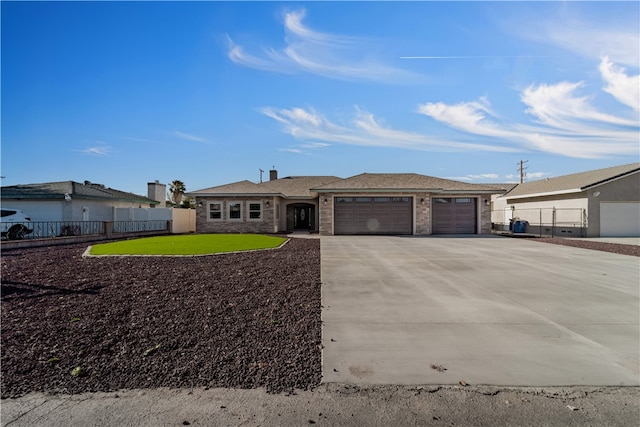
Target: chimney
{"x":273,"y":175}
{"x":157,"y":192}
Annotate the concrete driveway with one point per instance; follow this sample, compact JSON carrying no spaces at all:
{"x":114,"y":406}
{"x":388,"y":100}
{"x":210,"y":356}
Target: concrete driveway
{"x":483,"y":310}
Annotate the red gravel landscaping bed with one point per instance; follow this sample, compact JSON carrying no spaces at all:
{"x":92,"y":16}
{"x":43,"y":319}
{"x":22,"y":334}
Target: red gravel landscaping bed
{"x":243,"y":320}
{"x":616,"y":248}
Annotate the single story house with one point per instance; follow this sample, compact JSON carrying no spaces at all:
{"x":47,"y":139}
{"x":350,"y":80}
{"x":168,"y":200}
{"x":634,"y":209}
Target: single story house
{"x":71,"y":201}
{"x":597,"y":203}
{"x":405,"y":203}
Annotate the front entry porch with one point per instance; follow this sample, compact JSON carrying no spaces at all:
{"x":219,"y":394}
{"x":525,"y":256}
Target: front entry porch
{"x":301,"y":216}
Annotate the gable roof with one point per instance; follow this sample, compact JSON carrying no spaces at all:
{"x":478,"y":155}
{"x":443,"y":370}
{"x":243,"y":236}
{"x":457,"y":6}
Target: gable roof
{"x":289,"y":187}
{"x":573,"y":183}
{"x":298,"y":186}
{"x":381,"y":182}
{"x":58,"y":190}
{"x":240,"y":188}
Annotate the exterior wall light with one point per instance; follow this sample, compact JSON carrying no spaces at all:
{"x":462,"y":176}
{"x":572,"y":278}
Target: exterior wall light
{"x":325,"y":201}
{"x":67,"y":197}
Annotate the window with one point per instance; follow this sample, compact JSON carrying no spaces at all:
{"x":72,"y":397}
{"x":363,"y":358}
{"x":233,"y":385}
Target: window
{"x":463,"y":200}
{"x":344,"y":199}
{"x":401,"y":200}
{"x":255,"y":211}
{"x":215,"y":211}
{"x":382,"y":199}
{"x":363,"y":199}
{"x":235,"y":210}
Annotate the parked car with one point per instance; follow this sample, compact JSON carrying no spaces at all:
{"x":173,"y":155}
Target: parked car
{"x":14,"y":224}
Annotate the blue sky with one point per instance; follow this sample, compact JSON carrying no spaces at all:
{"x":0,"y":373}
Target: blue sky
{"x":125,"y":93}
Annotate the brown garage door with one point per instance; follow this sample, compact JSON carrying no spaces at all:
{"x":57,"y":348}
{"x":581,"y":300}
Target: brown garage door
{"x":373,"y":215}
{"x":454,"y":215}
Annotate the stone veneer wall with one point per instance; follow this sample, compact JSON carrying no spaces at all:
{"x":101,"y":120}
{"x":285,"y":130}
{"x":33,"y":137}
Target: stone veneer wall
{"x":485,"y":214}
{"x":325,"y":227}
{"x":267,"y":225}
{"x":422,"y":214}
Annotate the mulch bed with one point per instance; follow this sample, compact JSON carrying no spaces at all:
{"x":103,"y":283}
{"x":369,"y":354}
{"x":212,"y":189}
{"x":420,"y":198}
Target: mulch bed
{"x":615,"y":248}
{"x":244,"y":320}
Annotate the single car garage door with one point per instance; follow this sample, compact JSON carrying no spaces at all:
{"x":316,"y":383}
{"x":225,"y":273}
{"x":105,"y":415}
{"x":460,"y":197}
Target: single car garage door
{"x":619,"y":219}
{"x":454,"y":215}
{"x":373,"y":215}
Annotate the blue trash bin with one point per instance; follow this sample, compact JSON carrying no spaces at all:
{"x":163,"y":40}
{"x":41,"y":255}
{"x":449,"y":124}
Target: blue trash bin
{"x":520,"y":226}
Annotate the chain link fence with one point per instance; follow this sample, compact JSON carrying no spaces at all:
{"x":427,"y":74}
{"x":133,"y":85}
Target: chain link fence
{"x":554,"y":222}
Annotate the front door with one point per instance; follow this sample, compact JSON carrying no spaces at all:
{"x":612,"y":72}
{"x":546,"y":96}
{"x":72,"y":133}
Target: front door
{"x":302,"y":217}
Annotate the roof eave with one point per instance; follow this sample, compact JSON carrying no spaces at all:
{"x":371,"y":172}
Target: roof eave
{"x":404,"y":190}
{"x":548,"y":193}
{"x":234,"y":195}
{"x":608,"y":180}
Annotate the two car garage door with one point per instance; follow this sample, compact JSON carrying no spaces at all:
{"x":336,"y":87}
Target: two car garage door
{"x":373,"y":215}
{"x":394,"y":215}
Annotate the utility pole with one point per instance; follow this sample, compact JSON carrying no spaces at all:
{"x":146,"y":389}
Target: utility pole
{"x":522,"y":169}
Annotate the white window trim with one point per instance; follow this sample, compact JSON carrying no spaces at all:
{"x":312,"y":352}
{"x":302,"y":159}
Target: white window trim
{"x":255,"y":202}
{"x":234,"y":202}
{"x":221,"y":211}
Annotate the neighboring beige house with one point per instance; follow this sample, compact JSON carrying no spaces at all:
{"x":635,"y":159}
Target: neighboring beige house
{"x":597,"y":203}
{"x":408,"y":203}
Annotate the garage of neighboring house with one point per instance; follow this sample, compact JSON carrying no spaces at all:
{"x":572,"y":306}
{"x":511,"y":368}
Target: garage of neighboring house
{"x":454,"y":215}
{"x":373,"y":215}
{"x":596,"y":203}
{"x":619,"y":219}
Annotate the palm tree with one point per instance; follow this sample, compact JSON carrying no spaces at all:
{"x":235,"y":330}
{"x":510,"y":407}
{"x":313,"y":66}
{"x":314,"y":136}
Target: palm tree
{"x":177,"y":189}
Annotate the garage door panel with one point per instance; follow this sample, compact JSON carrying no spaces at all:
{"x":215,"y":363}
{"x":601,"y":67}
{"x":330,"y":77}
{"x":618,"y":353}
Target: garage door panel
{"x":620,"y":219}
{"x":454,"y":215}
{"x":373,"y":215}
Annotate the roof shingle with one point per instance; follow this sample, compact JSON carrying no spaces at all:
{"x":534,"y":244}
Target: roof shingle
{"x":87,"y":190}
{"x":404,"y":181}
{"x":573,"y":182}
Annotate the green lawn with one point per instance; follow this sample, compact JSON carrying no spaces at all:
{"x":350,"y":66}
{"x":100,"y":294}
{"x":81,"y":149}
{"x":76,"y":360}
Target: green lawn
{"x":191,"y":244}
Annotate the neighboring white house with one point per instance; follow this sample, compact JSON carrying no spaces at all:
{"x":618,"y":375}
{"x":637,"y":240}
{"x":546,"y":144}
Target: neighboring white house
{"x":71,"y":201}
{"x":597,"y":203}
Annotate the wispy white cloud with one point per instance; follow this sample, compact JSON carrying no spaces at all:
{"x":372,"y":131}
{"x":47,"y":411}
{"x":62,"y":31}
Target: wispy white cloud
{"x":188,"y":137}
{"x":624,"y":88}
{"x":563,"y":121}
{"x":293,"y":150}
{"x":483,"y":177}
{"x":329,"y":55}
{"x":99,"y":149}
{"x":135,"y":139}
{"x":529,"y":176}
{"x":363,"y":129}
{"x":589,"y":37}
